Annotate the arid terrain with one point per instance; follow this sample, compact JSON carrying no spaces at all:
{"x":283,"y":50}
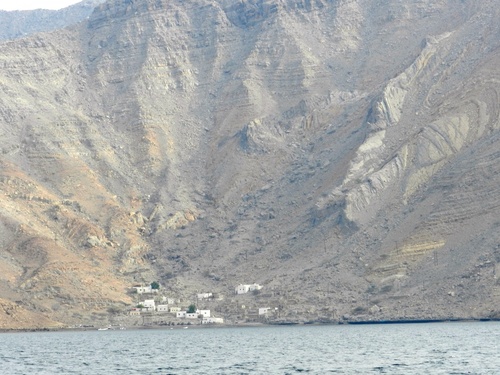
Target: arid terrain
{"x":344,"y":154}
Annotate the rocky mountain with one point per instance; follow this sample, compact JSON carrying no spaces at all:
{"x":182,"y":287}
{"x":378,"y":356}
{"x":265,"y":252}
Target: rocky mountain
{"x":18,"y":24}
{"x":344,"y":154}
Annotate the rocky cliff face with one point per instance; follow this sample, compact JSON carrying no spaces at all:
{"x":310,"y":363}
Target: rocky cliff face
{"x":19,"y":24}
{"x":341,"y":153}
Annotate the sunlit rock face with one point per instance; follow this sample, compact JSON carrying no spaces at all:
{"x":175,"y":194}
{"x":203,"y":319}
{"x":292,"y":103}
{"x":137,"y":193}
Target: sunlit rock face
{"x":343,"y":154}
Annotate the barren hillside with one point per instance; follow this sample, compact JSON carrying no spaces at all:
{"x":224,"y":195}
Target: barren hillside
{"x":344,"y":154}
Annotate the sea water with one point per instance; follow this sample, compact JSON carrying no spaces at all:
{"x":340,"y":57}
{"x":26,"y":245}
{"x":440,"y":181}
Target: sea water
{"x":435,"y":348}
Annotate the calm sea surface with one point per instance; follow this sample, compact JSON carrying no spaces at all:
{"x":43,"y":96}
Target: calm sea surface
{"x":437,"y":348}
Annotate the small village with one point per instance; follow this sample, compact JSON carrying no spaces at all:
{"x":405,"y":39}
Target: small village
{"x":154,"y":308}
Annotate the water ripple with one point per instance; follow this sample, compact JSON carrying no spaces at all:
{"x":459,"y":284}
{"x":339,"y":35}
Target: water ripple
{"x":458,"y":348}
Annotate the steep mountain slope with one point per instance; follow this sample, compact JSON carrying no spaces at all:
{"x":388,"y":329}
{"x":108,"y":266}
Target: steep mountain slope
{"x":341,"y":153}
{"x":18,"y":24}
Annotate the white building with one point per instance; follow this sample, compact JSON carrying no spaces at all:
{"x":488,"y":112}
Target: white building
{"x":174,"y":309}
{"x":242,"y":289}
{"x":204,"y":295}
{"x":195,"y":315}
{"x":149,"y":304}
{"x":205,"y":313}
{"x":264,"y":310}
{"x":245,"y":288}
{"x":145,"y":289}
{"x":162,"y":308}
{"x":212,"y":321}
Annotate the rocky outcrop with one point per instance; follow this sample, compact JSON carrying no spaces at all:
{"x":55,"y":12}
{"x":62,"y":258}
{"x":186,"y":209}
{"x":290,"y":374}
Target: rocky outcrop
{"x":255,"y":137}
{"x":371,"y":172}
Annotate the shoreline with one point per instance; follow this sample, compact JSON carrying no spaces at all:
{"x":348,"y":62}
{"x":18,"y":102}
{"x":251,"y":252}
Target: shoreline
{"x":251,"y":325}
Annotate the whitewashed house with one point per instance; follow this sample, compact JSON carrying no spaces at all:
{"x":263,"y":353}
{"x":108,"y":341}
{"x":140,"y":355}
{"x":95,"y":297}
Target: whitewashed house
{"x":242,"y":289}
{"x":174,"y":309}
{"x":264,"y":310}
{"x":135,"y":312}
{"x":245,"y":288}
{"x":149,"y":304}
{"x":162,"y":308}
{"x":204,"y":295}
{"x":195,"y":315}
{"x":205,"y":313}
{"x":145,"y":289}
{"x":212,"y":320}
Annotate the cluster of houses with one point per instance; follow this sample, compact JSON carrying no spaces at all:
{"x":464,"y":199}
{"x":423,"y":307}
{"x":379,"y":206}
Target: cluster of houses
{"x":166,"y":306}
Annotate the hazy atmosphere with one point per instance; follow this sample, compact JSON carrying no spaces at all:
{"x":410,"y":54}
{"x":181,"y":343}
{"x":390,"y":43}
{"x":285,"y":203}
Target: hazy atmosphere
{"x":35,"y":4}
